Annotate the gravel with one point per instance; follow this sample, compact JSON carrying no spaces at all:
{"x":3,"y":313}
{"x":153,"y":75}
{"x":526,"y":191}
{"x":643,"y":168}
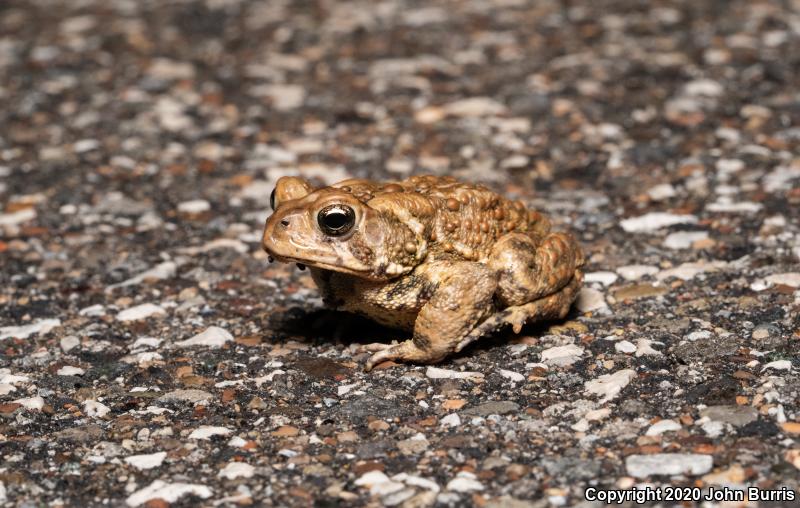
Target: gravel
{"x":150,"y":355}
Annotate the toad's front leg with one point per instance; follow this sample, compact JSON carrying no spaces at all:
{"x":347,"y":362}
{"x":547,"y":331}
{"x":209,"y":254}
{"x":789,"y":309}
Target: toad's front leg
{"x":461,"y":300}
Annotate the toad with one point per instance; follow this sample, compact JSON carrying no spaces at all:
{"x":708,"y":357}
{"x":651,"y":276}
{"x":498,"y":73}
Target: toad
{"x":446,"y":260}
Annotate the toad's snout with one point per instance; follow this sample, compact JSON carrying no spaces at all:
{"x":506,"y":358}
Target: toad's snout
{"x":277,"y":238}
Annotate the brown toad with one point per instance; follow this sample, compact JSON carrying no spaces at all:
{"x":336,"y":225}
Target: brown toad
{"x":447,"y":260}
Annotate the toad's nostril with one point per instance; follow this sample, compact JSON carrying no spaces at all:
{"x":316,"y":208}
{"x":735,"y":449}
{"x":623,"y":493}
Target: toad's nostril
{"x":284,"y":222}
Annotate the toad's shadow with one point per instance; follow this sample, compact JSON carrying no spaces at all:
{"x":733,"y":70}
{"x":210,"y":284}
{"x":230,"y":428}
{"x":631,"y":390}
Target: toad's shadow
{"x":325,"y":326}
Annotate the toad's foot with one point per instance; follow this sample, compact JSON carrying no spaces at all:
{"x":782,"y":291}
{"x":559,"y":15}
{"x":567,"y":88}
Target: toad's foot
{"x":374,"y":347}
{"x":406,"y":351}
{"x":462,"y":298}
{"x":550,"y":307}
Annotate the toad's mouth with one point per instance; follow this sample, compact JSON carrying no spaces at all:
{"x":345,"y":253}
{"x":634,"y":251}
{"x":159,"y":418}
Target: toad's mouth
{"x":332,"y":265}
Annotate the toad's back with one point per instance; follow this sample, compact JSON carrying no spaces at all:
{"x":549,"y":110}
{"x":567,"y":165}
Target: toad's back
{"x":458,"y":220}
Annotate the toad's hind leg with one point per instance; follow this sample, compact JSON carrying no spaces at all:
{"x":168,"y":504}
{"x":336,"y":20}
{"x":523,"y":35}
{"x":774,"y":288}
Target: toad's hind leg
{"x":530,"y":270}
{"x":550,"y":307}
{"x":462,"y":299}
{"x":536,"y":281}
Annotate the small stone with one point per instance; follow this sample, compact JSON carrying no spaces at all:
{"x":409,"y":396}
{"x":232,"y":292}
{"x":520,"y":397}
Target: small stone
{"x":654,"y":221}
{"x":661,"y":192}
{"x":437,"y":373}
{"x":492,"y":408}
{"x":140,"y":312}
{"x":610,"y":385}
{"x":513,"y":376}
{"x":562,"y":356}
{"x":169,"y":70}
{"x":778,"y":365}
{"x":475,"y":107}
{"x":162,"y":271}
{"x":645,"y":347}
{"x":95,"y":409}
{"x":195,"y":206}
{"x":69,"y":343}
{"x":604,"y":278}
{"x":213,"y":337}
{"x":624,"y":346}
{"x":738,"y":416}
{"x":464,"y":482}
{"x":684,"y":239}
{"x":725,"y":206}
{"x":688,"y":271}
{"x":286,"y":431}
{"x":147,"y":461}
{"x":35,"y":403}
{"x":791,"y":279}
{"x":209,"y":431}
{"x":453,"y":403}
{"x":68,"y":370}
{"x":451,"y":420}
{"x":703,"y":87}
{"x":188,"y":395}
{"x":636,"y":272}
{"x":692,"y":464}
{"x":23,"y":332}
{"x":169,"y":492}
{"x":378,"y":483}
{"x":282,"y":97}
{"x":237,"y":470}
{"x":414,"y":445}
{"x":663,"y":426}
{"x":18,"y":217}
{"x":590,"y":300}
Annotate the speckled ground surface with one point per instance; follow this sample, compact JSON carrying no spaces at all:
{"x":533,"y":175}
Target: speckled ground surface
{"x":150,"y":355}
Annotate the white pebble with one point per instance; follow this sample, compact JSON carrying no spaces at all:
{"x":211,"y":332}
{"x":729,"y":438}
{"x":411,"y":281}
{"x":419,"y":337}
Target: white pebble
{"x":624,"y":346}
{"x":663,"y":426}
{"x":68,"y":370}
{"x":636,"y":272}
{"x":562,"y":355}
{"x":684,"y":239}
{"x":642,"y":466}
{"x":139,"y":312}
{"x":451,"y":420}
{"x":604,"y":278}
{"x":654,"y":221}
{"x":237,"y":470}
{"x":437,"y":373}
{"x":513,"y":376}
{"x":610,"y":385}
{"x":208,"y":431}
{"x":464,"y":482}
{"x":194,"y":206}
{"x":169,"y":492}
{"x":213,"y":337}
{"x":95,"y":409}
{"x":146,"y":461}
{"x":590,"y":299}
{"x":24,"y":331}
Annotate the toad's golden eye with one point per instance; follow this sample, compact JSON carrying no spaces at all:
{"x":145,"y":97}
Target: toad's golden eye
{"x":336,"y":220}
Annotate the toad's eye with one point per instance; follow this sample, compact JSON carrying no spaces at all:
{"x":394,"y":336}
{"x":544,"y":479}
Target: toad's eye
{"x":272,"y":200}
{"x":336,"y":220}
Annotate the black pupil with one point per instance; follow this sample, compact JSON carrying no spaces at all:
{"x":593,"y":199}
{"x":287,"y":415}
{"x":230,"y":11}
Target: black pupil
{"x":336,"y":219}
